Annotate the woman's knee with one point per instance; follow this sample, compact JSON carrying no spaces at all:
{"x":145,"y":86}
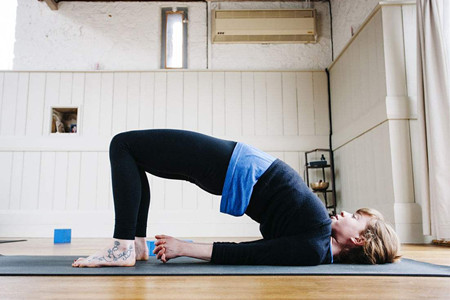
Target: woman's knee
{"x":119,"y":141}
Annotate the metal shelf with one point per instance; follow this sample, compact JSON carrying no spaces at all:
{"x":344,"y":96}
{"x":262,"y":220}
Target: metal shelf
{"x":318,"y":167}
{"x":325,"y":193}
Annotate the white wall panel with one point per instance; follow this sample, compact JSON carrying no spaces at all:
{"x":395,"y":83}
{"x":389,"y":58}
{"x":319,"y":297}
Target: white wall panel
{"x":132,"y":101}
{"x":260,"y":104}
{"x":364,"y":176}
{"x":233,"y":103}
{"x":248,"y":103}
{"x":218,"y":98}
{"x":205,"y":200}
{"x":52,"y":84}
{"x":160,"y":100}
{"x":174,"y":108}
{"x":21,"y":104}
{"x":157,"y":190}
{"x":190,"y":101}
{"x":2,"y":77}
{"x":46,"y":181}
{"x":189,"y":195}
{"x":31,"y":181}
{"x":71,"y":173}
{"x":274,"y":103}
{"x":6,"y":161}
{"x":290,"y":117}
{"x":35,"y":108}
{"x":358,"y":84}
{"x":305,"y":96}
{"x":119,"y":121}
{"x":73,"y":181}
{"x":87,"y":199}
{"x":321,"y":113}
{"x":17,"y":180}
{"x":61,"y":181}
{"x":8,"y":113}
{"x":205,"y":105}
{"x":91,"y":107}
{"x":147,"y":99}
{"x":106,"y":104}
{"x":103,"y":182}
{"x":173,"y":194}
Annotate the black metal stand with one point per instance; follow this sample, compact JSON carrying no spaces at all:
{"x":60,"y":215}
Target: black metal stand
{"x":331,"y":188}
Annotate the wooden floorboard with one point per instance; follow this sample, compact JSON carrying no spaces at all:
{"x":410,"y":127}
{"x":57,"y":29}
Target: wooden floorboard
{"x":216,"y":287}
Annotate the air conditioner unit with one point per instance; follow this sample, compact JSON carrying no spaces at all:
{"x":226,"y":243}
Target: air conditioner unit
{"x":264,"y":26}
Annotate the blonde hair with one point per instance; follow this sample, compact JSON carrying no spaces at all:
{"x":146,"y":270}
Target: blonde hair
{"x":381,"y":245}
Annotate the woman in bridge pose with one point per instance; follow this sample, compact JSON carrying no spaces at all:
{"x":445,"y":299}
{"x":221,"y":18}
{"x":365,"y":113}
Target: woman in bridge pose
{"x":295,"y":226}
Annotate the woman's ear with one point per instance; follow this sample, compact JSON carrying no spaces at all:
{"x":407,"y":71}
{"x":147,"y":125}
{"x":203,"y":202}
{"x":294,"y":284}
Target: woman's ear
{"x":358,"y":241}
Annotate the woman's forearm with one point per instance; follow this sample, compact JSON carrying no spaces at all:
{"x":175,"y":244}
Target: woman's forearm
{"x":198,"y":250}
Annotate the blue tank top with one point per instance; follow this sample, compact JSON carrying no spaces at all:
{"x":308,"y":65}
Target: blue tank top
{"x":246,"y":166}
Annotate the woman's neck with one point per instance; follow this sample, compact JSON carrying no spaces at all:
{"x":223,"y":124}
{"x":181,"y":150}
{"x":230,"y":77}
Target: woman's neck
{"x":336,"y":248}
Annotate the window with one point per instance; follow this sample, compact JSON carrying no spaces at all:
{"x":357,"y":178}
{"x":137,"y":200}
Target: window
{"x":174,"y":38}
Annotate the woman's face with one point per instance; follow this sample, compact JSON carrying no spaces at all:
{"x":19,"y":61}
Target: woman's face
{"x":346,"y":227}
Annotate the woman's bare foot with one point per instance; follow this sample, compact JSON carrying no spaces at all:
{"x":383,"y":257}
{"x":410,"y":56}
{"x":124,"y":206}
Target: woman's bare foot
{"x":141,"y":248}
{"x":120,"y":253}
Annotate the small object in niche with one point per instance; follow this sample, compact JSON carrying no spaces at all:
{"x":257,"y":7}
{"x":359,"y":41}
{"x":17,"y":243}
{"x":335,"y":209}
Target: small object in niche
{"x":320,"y":185}
{"x":64,"y":120}
{"x":73,"y":128}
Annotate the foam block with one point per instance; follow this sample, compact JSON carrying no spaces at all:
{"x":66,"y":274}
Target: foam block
{"x":62,"y":236}
{"x":151,"y":246}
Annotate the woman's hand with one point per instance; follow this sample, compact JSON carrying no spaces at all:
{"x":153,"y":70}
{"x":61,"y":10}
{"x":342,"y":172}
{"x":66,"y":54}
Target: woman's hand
{"x":167,"y":247}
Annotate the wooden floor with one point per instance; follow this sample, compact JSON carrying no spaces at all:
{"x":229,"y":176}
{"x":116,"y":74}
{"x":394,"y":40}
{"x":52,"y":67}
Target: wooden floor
{"x":216,"y":287}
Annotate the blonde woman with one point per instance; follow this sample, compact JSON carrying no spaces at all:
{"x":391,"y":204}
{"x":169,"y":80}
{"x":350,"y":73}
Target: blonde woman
{"x":294,"y":224}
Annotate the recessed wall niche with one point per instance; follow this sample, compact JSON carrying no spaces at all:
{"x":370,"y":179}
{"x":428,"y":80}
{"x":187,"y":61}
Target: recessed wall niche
{"x":64,"y":120}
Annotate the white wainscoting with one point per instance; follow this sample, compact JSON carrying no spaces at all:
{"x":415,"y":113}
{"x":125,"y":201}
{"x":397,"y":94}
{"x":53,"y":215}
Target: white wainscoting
{"x":373,"y":103}
{"x":52,"y":181}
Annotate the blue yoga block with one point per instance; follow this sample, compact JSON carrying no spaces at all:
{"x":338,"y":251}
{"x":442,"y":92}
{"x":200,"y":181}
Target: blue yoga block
{"x":151,"y":246}
{"x":62,"y":236}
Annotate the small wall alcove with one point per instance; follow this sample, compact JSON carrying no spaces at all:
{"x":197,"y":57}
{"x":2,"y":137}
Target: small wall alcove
{"x":64,"y":120}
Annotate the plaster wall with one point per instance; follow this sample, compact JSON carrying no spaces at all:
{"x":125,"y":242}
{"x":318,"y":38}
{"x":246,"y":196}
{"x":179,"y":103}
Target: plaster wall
{"x":127,"y":36}
{"x":348,"y":14}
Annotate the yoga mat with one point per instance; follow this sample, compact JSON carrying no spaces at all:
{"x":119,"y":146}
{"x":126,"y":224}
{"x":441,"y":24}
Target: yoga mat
{"x":11,"y":241}
{"x":61,"y":265}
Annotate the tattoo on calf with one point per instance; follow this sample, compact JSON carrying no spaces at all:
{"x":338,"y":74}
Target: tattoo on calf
{"x":114,"y":254}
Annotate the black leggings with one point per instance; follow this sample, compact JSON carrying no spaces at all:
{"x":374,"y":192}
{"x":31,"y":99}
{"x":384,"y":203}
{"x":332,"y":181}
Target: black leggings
{"x":167,"y":153}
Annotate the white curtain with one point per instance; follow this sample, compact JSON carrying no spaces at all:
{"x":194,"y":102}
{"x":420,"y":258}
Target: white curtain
{"x":433,"y":97}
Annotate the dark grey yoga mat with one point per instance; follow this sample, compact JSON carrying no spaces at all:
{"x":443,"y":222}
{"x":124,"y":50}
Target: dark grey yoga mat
{"x":61,"y":265}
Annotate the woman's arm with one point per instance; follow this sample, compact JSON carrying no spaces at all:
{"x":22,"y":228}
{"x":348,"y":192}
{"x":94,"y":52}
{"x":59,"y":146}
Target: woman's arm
{"x":168,"y":247}
{"x":292,"y":251}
